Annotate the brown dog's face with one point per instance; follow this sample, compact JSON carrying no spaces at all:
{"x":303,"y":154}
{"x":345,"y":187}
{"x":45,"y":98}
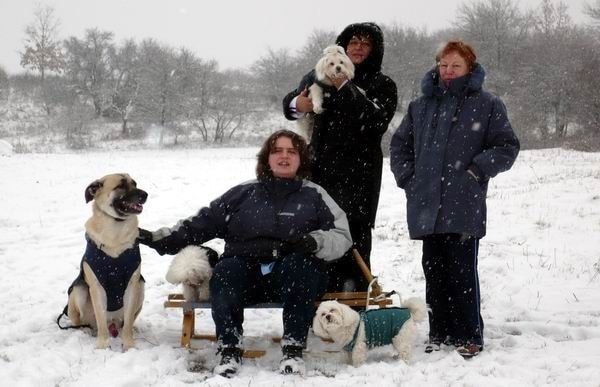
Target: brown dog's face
{"x":117,"y":195}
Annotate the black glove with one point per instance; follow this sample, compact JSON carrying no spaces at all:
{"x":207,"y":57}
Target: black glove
{"x":144,"y":237}
{"x":302,"y":243}
{"x":213,"y":256}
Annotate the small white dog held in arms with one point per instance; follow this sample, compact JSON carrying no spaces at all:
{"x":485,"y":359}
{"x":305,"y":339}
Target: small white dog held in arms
{"x":333,"y":64}
{"x":191,"y":268}
{"x":371,"y":328}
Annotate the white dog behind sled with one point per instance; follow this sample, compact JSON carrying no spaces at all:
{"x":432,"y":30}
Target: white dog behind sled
{"x":333,"y":64}
{"x":191,"y":268}
{"x":358,"y":332}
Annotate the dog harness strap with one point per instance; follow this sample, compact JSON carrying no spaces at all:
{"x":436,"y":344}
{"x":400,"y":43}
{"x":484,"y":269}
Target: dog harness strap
{"x":348,"y":347}
{"x":324,"y":86}
{"x":112,"y":273}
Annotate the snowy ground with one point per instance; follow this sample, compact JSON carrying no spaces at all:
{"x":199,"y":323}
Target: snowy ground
{"x":539,"y":270}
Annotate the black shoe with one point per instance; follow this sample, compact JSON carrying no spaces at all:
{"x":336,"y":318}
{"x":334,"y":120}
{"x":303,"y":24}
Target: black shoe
{"x":292,"y":362}
{"x":231,"y":360}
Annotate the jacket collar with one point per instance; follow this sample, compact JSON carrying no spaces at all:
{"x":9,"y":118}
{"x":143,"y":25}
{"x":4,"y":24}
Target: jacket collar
{"x":281,"y":186}
{"x":431,"y":85}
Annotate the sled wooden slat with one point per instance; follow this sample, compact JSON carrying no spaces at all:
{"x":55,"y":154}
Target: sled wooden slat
{"x":353,"y":299}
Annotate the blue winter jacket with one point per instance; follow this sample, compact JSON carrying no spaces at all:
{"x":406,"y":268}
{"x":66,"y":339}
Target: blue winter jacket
{"x":445,"y":132}
{"x":256,"y":218}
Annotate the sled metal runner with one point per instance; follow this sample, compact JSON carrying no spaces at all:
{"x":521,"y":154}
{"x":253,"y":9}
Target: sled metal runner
{"x":373,"y":298}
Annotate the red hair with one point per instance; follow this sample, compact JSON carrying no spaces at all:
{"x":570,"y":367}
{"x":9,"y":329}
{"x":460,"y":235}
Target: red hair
{"x":461,"y":48}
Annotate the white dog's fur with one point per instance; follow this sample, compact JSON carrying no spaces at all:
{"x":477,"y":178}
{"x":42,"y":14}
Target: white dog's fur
{"x":332,"y":64}
{"x":191,"y":269}
{"x":339,"y":322}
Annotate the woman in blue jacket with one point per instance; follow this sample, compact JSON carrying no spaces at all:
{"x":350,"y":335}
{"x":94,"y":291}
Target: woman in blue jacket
{"x":279,"y":231}
{"x":452,"y":140}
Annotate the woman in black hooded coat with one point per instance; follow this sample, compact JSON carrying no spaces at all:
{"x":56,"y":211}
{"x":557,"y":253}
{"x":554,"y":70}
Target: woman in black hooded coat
{"x":346,"y":156}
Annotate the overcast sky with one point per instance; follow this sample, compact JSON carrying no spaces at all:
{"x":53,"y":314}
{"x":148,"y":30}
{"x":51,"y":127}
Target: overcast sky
{"x":234,"y":32}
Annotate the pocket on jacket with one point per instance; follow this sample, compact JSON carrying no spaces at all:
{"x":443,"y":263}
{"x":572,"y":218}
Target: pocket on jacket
{"x":473,"y":185}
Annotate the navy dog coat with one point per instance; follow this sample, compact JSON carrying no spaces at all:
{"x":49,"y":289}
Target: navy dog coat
{"x":112,"y":273}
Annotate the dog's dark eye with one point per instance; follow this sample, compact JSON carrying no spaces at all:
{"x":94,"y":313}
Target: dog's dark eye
{"x":332,"y":64}
{"x":133,"y":183}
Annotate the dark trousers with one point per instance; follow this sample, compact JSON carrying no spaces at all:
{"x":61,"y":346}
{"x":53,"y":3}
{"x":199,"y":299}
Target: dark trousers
{"x":237,"y":282}
{"x":344,"y":274}
{"x":452,"y":288}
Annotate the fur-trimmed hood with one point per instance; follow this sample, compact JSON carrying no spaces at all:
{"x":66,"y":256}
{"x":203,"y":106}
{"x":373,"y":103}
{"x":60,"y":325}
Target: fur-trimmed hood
{"x":373,"y":62}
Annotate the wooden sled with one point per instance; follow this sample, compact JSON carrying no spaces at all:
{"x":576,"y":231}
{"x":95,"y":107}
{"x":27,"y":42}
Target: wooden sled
{"x":375,"y":297}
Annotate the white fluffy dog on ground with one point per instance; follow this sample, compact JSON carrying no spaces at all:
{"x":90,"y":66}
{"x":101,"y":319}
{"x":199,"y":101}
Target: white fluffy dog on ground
{"x":371,"y":328}
{"x":333,"y":64}
{"x":191,"y":268}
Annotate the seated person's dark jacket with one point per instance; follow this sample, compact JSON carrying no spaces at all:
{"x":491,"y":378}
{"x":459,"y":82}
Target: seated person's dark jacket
{"x":257,"y":219}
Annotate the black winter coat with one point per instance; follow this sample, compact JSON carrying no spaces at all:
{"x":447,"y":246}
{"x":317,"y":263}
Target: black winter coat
{"x":256,"y":217}
{"x":346,"y":156}
{"x":446,"y":132}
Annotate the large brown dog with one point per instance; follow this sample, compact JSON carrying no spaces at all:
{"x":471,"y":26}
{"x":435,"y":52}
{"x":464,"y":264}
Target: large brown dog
{"x":109,"y":292}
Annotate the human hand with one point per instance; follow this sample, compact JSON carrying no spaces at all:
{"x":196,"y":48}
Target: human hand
{"x":303,"y":102}
{"x":338,"y":80}
{"x":144,"y":236}
{"x":470,"y":172}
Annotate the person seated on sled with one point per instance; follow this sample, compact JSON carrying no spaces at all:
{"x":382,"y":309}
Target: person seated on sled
{"x":279,"y":232}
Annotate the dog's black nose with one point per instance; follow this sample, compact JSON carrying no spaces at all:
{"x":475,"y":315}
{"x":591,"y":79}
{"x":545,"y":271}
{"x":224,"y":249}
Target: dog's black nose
{"x":328,"y":318}
{"x":338,"y":68}
{"x":143,"y":195}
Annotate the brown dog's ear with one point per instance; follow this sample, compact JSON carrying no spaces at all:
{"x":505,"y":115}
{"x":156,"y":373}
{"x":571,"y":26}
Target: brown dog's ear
{"x":91,"y":190}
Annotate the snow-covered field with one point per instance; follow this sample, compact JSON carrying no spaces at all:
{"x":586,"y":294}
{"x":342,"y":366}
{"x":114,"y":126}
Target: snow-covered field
{"x":539,"y":270}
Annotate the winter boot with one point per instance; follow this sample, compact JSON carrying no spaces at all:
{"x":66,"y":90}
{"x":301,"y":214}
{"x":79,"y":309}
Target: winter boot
{"x":292,"y":362}
{"x":231,"y":360}
{"x":468,"y":351}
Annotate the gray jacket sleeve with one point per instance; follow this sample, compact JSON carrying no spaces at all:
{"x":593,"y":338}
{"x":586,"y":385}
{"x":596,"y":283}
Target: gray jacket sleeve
{"x":333,"y":238}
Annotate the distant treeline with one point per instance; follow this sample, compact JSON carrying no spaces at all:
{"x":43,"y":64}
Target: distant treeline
{"x":545,"y":68}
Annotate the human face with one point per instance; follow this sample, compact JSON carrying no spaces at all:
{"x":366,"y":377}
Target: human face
{"x":358,"y":49}
{"x":284,"y":159}
{"x":452,"y":66}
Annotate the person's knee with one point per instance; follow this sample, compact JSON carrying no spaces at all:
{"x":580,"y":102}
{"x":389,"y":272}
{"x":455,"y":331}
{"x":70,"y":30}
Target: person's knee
{"x":228,"y":278}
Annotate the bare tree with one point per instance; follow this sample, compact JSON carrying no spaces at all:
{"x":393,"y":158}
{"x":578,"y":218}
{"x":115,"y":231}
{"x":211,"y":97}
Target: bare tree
{"x":43,"y":52}
{"x":3,"y":84}
{"x":593,"y":10}
{"x":496,"y":28}
{"x":409,"y":53}
{"x":230,"y":100}
{"x":273,"y":73}
{"x":124,"y":80}
{"x":554,"y":28}
{"x":309,"y":54}
{"x":42,"y":47}
{"x":588,"y":83}
{"x":88,"y":67}
{"x":157,"y":69}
